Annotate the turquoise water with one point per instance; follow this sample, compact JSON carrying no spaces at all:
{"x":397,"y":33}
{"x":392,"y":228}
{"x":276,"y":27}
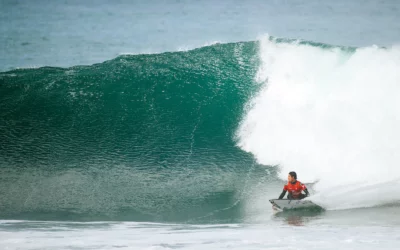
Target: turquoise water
{"x":120,"y":132}
{"x":166,"y":125}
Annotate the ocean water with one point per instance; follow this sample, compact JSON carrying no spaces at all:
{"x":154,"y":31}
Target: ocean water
{"x":170,"y":124}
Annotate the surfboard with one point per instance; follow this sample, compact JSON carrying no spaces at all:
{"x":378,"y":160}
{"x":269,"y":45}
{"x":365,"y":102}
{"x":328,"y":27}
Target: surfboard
{"x":286,"y":204}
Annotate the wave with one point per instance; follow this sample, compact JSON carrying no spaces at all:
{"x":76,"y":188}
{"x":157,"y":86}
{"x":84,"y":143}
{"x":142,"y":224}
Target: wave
{"x":139,"y":137}
{"x":196,"y":135}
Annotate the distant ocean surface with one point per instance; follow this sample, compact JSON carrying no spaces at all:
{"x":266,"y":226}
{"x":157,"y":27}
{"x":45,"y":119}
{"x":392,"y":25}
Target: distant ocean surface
{"x":170,"y":124}
{"x":69,"y":33}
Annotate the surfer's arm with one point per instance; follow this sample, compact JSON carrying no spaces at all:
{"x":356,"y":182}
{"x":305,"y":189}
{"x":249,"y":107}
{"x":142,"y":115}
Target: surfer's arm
{"x":306,"y":191}
{"x":282,"y":194}
{"x":304,"y":188}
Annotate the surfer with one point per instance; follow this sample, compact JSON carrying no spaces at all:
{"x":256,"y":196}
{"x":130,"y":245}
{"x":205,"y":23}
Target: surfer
{"x":294,"y":187}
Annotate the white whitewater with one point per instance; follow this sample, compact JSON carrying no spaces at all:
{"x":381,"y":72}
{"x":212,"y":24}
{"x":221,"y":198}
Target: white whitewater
{"x":332,"y":115}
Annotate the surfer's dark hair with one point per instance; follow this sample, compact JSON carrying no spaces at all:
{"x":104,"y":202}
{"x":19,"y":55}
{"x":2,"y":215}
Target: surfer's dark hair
{"x":293,"y":174}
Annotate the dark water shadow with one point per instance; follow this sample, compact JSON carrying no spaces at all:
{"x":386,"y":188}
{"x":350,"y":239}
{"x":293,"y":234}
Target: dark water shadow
{"x":298,"y":217}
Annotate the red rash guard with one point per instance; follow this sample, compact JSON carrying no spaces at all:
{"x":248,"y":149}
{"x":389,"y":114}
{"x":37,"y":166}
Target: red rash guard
{"x":294,"y":189}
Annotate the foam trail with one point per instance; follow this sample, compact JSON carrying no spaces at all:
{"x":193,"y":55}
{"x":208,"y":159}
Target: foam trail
{"x":332,"y":115}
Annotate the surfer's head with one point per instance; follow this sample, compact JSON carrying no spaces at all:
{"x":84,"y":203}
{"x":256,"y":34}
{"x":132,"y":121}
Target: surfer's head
{"x":292,"y":177}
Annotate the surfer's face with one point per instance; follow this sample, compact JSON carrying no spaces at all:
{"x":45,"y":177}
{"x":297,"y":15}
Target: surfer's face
{"x":290,"y":178}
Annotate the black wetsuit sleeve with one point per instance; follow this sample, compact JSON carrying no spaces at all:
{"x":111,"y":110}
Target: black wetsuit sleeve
{"x":282,"y":194}
{"x":306,"y":191}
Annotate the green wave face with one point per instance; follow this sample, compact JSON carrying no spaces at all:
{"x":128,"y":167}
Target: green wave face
{"x":139,"y":137}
